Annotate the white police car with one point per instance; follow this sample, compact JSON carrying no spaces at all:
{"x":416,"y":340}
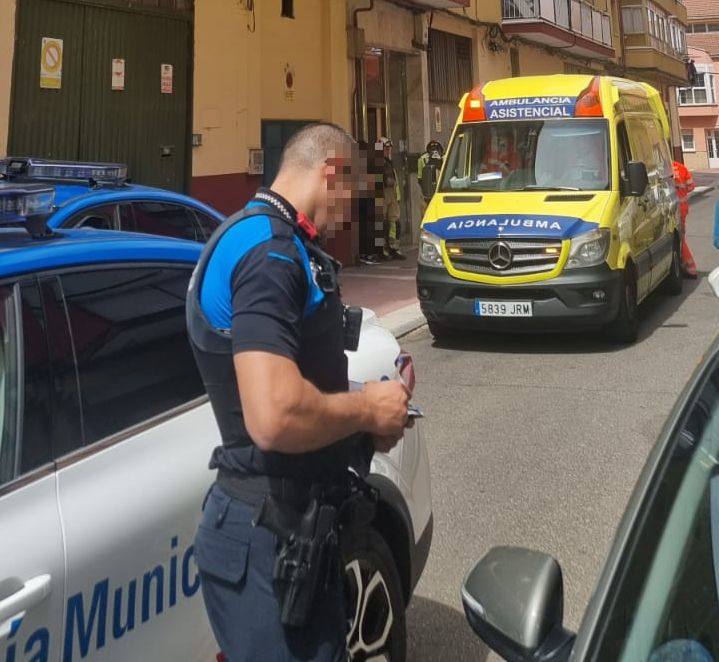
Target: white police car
{"x":105,"y":435}
{"x":100,"y":196}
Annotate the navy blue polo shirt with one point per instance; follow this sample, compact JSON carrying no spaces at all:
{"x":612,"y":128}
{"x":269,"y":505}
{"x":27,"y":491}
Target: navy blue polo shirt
{"x":259,"y":284}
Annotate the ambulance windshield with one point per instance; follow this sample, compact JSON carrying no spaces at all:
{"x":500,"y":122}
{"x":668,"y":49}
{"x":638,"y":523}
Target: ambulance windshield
{"x":529,"y":156}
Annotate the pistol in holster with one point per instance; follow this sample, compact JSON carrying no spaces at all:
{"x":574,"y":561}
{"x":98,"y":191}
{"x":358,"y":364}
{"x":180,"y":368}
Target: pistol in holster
{"x":308,"y":559}
{"x":307,"y":555}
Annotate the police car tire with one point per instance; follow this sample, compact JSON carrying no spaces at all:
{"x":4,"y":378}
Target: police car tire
{"x":675,"y":279}
{"x":370,"y":549}
{"x":625,"y":327}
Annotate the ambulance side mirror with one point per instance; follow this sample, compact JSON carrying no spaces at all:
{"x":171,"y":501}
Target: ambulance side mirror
{"x":637,"y":179}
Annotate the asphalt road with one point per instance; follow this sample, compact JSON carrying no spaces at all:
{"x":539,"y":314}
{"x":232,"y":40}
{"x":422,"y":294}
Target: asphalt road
{"x":538,"y":441}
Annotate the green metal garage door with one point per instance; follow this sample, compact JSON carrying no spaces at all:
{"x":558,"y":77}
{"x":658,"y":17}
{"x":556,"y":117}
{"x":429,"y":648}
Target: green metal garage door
{"x":146,"y":124}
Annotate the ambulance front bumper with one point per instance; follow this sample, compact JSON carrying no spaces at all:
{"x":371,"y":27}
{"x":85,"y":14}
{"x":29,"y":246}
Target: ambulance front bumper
{"x":577,"y":299}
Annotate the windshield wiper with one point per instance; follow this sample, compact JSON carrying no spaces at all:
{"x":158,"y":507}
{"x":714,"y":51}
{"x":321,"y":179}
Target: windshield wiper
{"x":537,"y":187}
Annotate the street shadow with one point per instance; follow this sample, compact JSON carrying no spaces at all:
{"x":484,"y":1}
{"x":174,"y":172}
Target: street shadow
{"x":654,"y":313}
{"x":436,"y":632}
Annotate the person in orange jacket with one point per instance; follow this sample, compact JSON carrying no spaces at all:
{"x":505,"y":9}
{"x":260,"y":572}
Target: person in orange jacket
{"x":685,"y":185}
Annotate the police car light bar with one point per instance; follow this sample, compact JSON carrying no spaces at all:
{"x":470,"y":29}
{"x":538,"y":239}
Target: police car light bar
{"x":18,"y":202}
{"x":41,"y":169}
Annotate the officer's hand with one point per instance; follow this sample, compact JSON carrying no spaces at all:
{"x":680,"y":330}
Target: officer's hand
{"x":386,"y":405}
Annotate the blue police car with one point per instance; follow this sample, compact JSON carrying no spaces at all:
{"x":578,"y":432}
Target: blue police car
{"x":105,"y":435}
{"x":100,"y":196}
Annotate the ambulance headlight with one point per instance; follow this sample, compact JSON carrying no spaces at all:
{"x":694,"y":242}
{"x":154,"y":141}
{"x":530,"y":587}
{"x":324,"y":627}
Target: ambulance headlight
{"x":589,"y":249}
{"x":430,"y":250}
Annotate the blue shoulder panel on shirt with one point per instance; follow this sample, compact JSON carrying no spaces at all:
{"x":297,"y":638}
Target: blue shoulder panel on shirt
{"x":216,"y":292}
{"x":315,"y":295}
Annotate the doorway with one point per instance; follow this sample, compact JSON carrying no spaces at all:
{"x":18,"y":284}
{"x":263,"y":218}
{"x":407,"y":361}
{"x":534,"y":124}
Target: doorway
{"x":712,"y":136}
{"x":385,"y":81}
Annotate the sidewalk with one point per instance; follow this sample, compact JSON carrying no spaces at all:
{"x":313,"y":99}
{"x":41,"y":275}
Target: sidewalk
{"x":389,"y":289}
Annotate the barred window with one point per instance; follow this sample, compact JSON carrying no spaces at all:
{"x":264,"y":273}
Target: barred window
{"x":450,"y":66}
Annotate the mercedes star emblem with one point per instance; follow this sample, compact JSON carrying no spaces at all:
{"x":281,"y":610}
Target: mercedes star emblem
{"x":500,"y":255}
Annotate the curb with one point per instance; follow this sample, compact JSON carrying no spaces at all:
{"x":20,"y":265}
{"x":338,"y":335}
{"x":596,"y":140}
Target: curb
{"x":404,"y":320}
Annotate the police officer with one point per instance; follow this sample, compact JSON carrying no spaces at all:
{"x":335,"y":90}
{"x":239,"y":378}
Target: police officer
{"x":265,"y":321}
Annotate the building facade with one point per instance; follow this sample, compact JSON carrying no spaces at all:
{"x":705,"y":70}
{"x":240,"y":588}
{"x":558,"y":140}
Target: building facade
{"x":201,"y":96}
{"x":698,"y":104}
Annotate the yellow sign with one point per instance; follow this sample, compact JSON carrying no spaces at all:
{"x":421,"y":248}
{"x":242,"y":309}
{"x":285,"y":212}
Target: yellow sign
{"x":51,"y":63}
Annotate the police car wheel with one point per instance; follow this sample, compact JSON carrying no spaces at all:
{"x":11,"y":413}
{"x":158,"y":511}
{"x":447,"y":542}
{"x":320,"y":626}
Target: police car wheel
{"x":377,"y":631}
{"x":625,"y":327}
{"x":674,"y":280}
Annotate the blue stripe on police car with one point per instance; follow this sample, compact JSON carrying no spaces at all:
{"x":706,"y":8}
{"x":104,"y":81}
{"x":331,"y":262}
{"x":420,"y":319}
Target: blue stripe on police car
{"x":508,"y":225}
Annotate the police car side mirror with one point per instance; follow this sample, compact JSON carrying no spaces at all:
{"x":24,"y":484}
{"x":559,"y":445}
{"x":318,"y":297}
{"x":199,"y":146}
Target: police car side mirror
{"x":637,"y":179}
{"x":514,"y":600}
{"x":429,"y":180}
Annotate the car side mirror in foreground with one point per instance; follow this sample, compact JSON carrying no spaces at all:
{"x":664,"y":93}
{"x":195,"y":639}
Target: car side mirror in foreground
{"x":514,"y":600}
{"x":637,"y":179}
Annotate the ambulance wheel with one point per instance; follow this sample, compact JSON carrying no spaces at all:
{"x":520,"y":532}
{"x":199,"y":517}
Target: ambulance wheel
{"x":376,"y":618}
{"x":674,"y":280}
{"x":625,"y":327}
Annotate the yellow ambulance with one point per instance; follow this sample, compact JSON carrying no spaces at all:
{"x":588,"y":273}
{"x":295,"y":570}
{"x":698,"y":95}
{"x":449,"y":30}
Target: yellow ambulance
{"x":555,"y":209}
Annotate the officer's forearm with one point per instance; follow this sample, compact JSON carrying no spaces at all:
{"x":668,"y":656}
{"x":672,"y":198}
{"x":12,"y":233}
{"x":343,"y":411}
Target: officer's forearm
{"x":284,"y":412}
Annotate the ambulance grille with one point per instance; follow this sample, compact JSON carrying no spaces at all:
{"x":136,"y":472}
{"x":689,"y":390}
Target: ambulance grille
{"x":529,"y":256}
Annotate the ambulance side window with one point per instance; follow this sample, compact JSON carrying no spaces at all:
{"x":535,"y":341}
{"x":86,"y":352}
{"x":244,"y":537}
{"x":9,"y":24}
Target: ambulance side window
{"x":625,"y":153}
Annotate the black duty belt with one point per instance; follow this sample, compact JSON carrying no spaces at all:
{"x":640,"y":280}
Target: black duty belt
{"x":253,"y":489}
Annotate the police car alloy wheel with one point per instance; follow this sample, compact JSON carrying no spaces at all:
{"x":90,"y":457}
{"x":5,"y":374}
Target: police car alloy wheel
{"x":376,"y":618}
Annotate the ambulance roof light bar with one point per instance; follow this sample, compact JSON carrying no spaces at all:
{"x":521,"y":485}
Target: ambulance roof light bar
{"x":589,"y":103}
{"x":27,"y":204}
{"x":473,"y":110}
{"x":31,"y":169}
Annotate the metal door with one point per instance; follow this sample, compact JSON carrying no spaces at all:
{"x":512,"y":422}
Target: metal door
{"x":397,"y":110}
{"x":145,"y":124}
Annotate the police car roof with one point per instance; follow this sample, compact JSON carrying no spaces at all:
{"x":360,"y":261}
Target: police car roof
{"x":20,"y":254}
{"x":72,"y":196}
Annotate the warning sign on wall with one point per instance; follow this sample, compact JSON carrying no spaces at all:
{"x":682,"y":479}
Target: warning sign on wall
{"x":166,"y":78}
{"x":118,"y":73}
{"x":51,"y":63}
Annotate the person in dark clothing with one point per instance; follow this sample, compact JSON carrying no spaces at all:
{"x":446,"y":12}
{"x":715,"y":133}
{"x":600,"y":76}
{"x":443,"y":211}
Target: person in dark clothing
{"x":266,"y":324}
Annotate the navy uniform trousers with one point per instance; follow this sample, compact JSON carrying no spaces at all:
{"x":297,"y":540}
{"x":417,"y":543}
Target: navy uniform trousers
{"x":236,"y":562}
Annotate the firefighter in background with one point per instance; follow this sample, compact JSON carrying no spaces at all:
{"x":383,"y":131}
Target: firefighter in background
{"x":685,"y":185}
{"x":433,"y":155}
{"x":392,"y":197}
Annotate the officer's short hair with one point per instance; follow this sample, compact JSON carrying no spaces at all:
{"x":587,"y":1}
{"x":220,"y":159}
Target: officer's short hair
{"x":313,"y":144}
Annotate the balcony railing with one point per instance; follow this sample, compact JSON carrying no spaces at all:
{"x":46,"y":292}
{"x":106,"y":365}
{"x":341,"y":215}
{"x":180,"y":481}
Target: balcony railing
{"x":575,"y":16}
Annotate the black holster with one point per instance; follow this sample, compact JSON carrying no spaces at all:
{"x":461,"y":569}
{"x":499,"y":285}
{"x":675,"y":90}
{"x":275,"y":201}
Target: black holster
{"x":309,"y":558}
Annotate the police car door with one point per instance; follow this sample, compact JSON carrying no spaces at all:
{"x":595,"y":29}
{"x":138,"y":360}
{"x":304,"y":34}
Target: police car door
{"x":131,"y":495}
{"x":32,"y":563}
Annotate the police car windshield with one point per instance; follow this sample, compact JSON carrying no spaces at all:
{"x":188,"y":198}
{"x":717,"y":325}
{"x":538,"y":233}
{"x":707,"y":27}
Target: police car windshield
{"x":529,"y":156}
